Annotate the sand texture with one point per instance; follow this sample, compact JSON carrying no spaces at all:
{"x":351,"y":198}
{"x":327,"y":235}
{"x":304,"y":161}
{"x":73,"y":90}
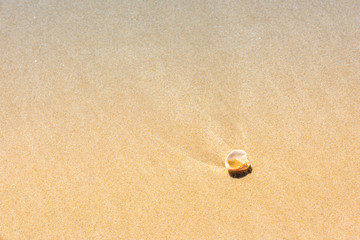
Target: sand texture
{"x":116,"y":117}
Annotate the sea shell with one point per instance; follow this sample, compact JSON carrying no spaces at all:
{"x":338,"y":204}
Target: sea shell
{"x":237,"y":161}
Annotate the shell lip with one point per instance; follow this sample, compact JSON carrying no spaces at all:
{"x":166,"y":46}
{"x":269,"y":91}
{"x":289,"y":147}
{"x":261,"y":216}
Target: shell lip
{"x":242,"y":168}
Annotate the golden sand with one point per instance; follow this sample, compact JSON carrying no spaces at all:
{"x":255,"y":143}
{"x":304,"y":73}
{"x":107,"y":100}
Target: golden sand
{"x":116,"y":118}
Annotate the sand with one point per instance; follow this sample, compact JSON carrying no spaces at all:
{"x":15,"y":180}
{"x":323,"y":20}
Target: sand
{"x":116,"y":118}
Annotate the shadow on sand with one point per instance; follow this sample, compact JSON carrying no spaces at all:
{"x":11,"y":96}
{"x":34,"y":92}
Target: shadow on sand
{"x":240,"y":174}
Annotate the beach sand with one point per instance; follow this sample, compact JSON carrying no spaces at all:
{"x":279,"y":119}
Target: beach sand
{"x":116,"y":118}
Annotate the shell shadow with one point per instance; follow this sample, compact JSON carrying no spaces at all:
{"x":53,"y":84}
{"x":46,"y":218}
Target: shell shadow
{"x":240,"y":174}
